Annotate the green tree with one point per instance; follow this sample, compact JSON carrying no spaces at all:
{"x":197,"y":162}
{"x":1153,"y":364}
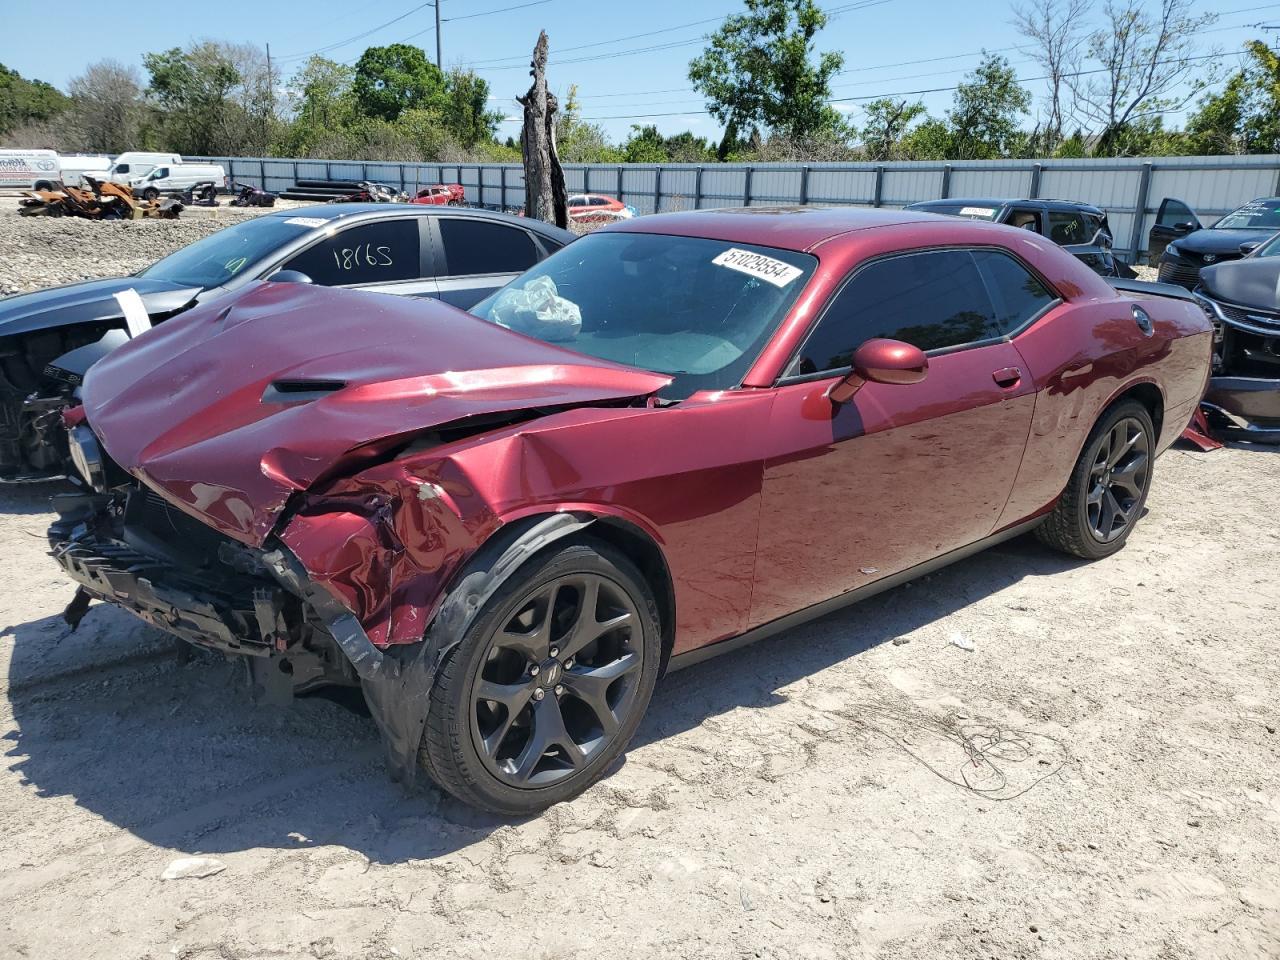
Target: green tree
{"x":1244,"y":117}
{"x":193,"y":91}
{"x":1147,"y":55}
{"x":984,"y":117}
{"x":321,"y":101}
{"x":687,"y":147}
{"x":759,"y":70}
{"x":578,"y":141}
{"x":466,"y":109}
{"x":645,"y":145}
{"x":25,"y":101}
{"x":886,"y":127}
{"x":391,"y":79}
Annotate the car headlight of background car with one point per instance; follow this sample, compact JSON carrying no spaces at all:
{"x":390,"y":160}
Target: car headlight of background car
{"x":1172,"y":250}
{"x":86,"y":455}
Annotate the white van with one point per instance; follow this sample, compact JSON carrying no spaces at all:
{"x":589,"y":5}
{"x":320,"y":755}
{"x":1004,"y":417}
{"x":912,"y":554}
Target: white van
{"x":75,"y":166}
{"x":134,"y":164}
{"x":29,"y":169}
{"x":176,"y":177}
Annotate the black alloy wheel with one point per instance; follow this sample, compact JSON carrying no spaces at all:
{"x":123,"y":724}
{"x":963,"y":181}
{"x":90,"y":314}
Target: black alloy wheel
{"x":1118,"y":479}
{"x":549,"y":683}
{"x":1107,"y":490}
{"x":559,"y":676}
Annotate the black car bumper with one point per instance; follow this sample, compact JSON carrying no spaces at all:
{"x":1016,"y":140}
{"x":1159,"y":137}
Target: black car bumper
{"x":112,"y":553}
{"x":1244,"y":408}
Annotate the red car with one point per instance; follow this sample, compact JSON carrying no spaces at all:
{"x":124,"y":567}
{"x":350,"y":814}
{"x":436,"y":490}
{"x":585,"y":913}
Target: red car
{"x":597,"y":208}
{"x":442,"y":194}
{"x":674,"y":436}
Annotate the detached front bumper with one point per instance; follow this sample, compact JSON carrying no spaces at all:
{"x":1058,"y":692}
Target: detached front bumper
{"x":145,"y":556}
{"x":1244,"y":408}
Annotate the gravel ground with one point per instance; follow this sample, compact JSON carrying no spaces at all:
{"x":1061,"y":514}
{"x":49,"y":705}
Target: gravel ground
{"x":1099,"y":777}
{"x":38,"y":252}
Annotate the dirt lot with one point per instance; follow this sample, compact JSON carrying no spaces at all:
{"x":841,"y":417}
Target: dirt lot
{"x":803,"y":798}
{"x":1098,"y":778}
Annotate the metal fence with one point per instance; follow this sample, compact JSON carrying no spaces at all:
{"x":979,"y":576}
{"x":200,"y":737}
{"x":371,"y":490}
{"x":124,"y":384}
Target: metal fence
{"x":1130,"y":190}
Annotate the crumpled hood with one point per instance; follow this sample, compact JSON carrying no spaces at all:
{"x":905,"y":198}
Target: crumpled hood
{"x":86,"y":302}
{"x":1250,"y":283}
{"x":1222,"y":243}
{"x":230,"y":408}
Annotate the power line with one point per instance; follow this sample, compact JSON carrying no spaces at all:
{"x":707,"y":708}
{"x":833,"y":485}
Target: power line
{"x":489,"y":13}
{"x":358,"y":36}
{"x":831,"y":15}
{"x":899,"y":93}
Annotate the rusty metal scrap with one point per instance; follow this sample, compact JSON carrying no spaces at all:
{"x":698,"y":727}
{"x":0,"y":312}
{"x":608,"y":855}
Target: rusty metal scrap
{"x":103,"y":200}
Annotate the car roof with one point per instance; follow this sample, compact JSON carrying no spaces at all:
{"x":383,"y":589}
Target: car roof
{"x":345,"y":211}
{"x":1003,"y":202}
{"x":788,"y":228}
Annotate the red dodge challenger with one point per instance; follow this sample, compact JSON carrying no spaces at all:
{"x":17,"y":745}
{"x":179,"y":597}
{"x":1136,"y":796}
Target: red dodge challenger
{"x":674,"y":436}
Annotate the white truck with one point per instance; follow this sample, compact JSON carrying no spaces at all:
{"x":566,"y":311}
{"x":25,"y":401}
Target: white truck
{"x":75,"y":166}
{"x":133,"y":164}
{"x":29,"y":169}
{"x":176,"y":177}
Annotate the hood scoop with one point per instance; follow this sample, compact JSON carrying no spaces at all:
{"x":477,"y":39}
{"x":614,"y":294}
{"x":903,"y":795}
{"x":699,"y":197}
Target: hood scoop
{"x":300,"y":391}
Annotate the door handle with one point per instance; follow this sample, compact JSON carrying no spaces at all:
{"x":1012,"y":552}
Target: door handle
{"x":1007,"y":376}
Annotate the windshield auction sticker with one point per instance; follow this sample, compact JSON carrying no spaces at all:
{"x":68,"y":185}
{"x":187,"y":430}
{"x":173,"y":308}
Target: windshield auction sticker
{"x":307,"y":221}
{"x":977,"y":212}
{"x":758,"y":265}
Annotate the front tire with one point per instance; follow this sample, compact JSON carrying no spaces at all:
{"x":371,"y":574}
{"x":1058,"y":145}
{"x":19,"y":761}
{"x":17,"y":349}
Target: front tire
{"x":151,"y":193}
{"x":1108,"y":488}
{"x":548,"y":685}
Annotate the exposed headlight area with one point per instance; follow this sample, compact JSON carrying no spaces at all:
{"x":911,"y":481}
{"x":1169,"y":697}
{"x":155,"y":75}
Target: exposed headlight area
{"x":86,"y":456}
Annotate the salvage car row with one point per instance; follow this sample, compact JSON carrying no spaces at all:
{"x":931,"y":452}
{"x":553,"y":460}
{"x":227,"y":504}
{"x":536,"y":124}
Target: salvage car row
{"x":504,"y":509}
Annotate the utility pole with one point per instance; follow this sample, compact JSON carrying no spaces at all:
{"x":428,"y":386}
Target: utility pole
{"x":439,"y":61}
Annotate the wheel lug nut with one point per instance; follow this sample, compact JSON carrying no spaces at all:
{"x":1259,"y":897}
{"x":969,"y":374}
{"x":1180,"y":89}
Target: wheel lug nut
{"x":555,"y":651}
{"x":559,"y":690}
{"x":539,"y":694}
{"x":568,"y":664}
{"x":533,"y":669}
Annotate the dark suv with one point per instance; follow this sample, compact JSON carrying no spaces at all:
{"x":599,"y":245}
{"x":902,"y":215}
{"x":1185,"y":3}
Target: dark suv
{"x":1079,"y":227}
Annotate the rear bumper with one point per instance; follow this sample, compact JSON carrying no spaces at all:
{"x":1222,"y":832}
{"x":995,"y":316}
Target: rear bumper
{"x":1244,"y":408}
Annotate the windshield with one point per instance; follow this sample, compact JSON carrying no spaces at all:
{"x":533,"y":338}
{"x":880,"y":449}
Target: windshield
{"x":972,"y":211}
{"x":701,"y":310}
{"x":214,"y":260}
{"x":1258,"y":215}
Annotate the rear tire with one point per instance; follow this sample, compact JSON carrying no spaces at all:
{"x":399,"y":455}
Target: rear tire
{"x":1107,"y":491}
{"x":565,"y":696}
{"x":151,"y":193}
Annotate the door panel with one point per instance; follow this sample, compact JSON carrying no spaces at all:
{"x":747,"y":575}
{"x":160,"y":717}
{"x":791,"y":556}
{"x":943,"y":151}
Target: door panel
{"x":466,"y":292}
{"x":1170,"y":224}
{"x":897,"y":476}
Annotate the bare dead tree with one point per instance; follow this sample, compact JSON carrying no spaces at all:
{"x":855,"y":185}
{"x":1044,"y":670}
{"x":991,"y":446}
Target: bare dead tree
{"x":107,"y":105}
{"x":544,"y":192}
{"x":1147,"y":66}
{"x":1055,"y":30}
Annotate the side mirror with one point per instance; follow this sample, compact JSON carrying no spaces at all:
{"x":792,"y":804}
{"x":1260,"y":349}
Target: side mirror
{"x":881,"y":361}
{"x":1248,"y":248}
{"x":290,"y":276}
{"x":1185,"y":227}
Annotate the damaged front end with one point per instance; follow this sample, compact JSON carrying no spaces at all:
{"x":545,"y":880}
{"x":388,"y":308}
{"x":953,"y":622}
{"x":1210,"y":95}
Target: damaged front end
{"x":1243,"y":398}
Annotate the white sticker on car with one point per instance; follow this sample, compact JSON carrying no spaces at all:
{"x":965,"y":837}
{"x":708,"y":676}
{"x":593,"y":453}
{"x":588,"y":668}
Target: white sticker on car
{"x":759,"y":266}
{"x":136,"y":318}
{"x":307,"y":221}
{"x":977,"y":211}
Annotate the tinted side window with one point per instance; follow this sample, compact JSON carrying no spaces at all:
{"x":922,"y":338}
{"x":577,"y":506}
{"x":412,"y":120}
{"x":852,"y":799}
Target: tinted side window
{"x":932,"y":300}
{"x":1019,"y":295}
{"x":479,"y":247}
{"x":1066,"y":227}
{"x":1174,"y":212}
{"x":368,"y":253}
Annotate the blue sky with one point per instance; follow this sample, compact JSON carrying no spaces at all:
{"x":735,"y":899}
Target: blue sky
{"x":890,"y":46}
